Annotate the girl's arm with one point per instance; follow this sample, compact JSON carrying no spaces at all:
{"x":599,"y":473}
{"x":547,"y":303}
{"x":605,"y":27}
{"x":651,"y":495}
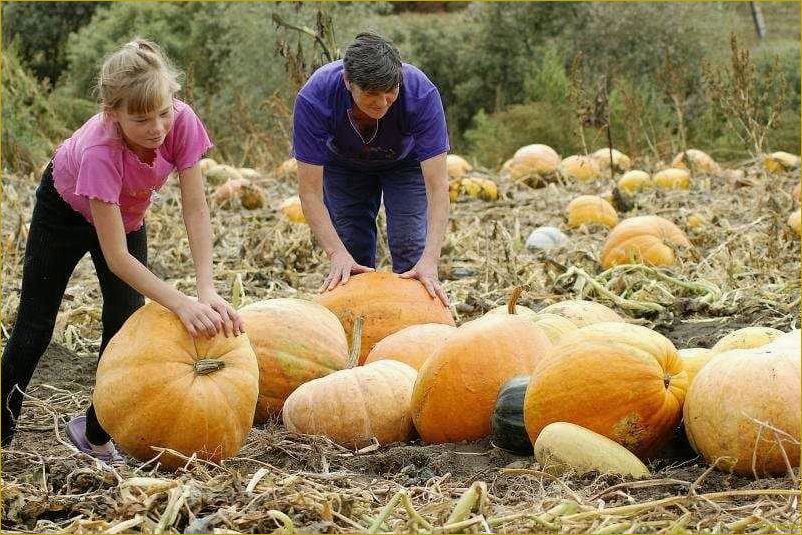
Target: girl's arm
{"x":195,"y":211}
{"x":198,"y":318}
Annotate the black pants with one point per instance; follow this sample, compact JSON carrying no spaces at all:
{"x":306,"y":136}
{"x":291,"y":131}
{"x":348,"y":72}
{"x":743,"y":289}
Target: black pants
{"x":58,"y":238}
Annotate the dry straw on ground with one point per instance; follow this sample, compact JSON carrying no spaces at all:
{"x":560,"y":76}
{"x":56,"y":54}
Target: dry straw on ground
{"x":744,"y":270}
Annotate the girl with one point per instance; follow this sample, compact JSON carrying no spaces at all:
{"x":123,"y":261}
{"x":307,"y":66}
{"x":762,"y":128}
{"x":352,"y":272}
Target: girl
{"x":93,"y":197}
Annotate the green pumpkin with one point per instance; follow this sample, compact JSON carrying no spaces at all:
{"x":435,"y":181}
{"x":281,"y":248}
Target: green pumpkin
{"x":507,"y":424}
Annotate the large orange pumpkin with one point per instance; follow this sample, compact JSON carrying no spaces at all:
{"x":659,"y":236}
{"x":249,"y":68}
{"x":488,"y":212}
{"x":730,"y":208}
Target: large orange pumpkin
{"x":458,"y":385}
{"x":622,"y":381}
{"x":648,"y":239}
{"x":157,"y":386}
{"x":411,"y":345}
{"x":295,"y":341}
{"x":743,"y":408}
{"x":387,"y":302}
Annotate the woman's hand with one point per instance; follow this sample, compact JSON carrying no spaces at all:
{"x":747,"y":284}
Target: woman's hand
{"x":232,"y":322}
{"x":343,"y":266}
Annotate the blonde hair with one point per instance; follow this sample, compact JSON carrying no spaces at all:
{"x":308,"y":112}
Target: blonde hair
{"x":138,"y":76}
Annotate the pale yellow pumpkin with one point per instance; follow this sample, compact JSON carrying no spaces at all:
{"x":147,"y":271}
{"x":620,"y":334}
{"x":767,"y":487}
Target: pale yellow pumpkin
{"x":780,"y":161}
{"x":746,"y":338}
{"x":634,"y":181}
{"x":591,"y":210}
{"x":795,"y":222}
{"x":582,"y":313}
{"x":743,"y":409}
{"x":158,"y":387}
{"x":457,"y":166}
{"x":700,"y":161}
{"x":582,"y":168}
{"x":562,"y":447}
{"x":694,"y":359}
{"x":295,"y":341}
{"x":672,"y":178}
{"x":221,"y":173}
{"x":650,"y":240}
{"x":292,"y":210}
{"x":534,"y":164}
{"x":621,"y":162}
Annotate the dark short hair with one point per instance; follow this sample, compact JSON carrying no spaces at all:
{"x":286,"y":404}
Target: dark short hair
{"x":373,"y":63}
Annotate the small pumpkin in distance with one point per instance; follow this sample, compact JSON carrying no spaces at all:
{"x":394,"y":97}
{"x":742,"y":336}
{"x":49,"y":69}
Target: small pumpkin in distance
{"x":650,"y":240}
{"x":672,"y":178}
{"x":534,"y":164}
{"x":700,"y":161}
{"x":621,"y":162}
{"x":634,"y":181}
{"x":591,"y":210}
{"x":795,"y":222}
{"x":457,"y":166}
{"x":507,"y":424}
{"x":780,"y":161}
{"x":581,"y":168}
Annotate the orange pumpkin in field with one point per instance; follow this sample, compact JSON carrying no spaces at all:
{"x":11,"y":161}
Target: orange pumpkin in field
{"x":295,"y":341}
{"x":623,"y":381}
{"x":157,"y":386}
{"x":591,"y":210}
{"x":387,"y":302}
{"x":648,"y":239}
{"x":411,"y":345}
{"x":457,"y":386}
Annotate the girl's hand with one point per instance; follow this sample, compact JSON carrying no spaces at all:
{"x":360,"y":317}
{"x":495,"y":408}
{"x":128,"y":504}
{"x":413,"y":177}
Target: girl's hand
{"x":232,"y":322}
{"x":199,"y":318}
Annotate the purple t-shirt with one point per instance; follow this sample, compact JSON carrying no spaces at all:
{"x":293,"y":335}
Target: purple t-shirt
{"x":414,"y":128}
{"x":95,"y":163}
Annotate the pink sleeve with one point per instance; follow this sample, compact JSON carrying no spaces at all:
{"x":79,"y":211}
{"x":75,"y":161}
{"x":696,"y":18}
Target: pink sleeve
{"x":189,"y":138}
{"x":98,"y":176}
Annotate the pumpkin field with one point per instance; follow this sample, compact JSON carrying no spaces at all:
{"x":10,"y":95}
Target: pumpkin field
{"x":724,"y":257}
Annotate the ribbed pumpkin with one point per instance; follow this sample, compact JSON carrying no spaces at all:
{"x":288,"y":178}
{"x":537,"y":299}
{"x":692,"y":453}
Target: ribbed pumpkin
{"x":672,"y":178}
{"x":623,"y":381}
{"x":288,"y":169}
{"x":746,"y":338}
{"x":621,"y":162}
{"x":295,"y":341}
{"x":591,"y":210}
{"x":157,"y":386}
{"x":534,"y":164}
{"x":694,"y":359}
{"x":647,"y":239}
{"x":795,"y":222}
{"x":458,"y":385}
{"x":457,"y":166}
{"x":507,"y":423}
{"x":582,"y":313}
{"x":563,"y":446}
{"x":738,"y":400}
{"x":292,"y":210}
{"x":699,"y":160}
{"x":354,"y":405}
{"x":634,"y":181}
{"x":577,"y":167}
{"x":780,"y":161}
{"x":387,"y":302}
{"x":411,"y":345}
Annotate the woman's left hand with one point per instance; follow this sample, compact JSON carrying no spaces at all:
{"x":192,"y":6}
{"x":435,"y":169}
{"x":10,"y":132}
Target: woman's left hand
{"x":232,"y":322}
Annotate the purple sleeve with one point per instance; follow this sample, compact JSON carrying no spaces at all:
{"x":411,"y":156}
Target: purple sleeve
{"x":429,"y":127}
{"x":189,"y":139}
{"x":98,"y":176}
{"x":309,"y":133}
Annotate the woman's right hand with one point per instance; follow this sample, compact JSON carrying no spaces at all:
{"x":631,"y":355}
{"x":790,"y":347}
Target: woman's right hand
{"x":343,"y":266}
{"x":198,"y":318}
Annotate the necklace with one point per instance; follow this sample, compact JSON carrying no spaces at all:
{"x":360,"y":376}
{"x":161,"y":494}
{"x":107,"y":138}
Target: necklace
{"x":358,"y":131}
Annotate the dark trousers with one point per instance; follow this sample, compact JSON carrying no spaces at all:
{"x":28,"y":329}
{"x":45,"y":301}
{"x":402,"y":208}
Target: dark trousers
{"x":353,"y":198}
{"x":58,"y":238}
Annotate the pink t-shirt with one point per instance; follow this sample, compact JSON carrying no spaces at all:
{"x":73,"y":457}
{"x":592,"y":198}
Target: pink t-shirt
{"x":95,"y":163}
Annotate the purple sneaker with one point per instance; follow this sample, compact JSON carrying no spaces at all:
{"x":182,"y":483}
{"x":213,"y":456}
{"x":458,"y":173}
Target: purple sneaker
{"x":76,"y":430}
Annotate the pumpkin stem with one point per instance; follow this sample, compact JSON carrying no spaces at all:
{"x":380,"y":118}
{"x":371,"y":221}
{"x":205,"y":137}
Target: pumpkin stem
{"x":356,"y":343}
{"x":512,"y":302}
{"x":667,"y":380}
{"x":207,"y":366}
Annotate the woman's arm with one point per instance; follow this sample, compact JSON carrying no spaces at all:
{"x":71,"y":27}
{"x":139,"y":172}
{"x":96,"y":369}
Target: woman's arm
{"x":195,"y":212}
{"x":310,"y":190}
{"x":198,"y":318}
{"x":435,"y":176}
